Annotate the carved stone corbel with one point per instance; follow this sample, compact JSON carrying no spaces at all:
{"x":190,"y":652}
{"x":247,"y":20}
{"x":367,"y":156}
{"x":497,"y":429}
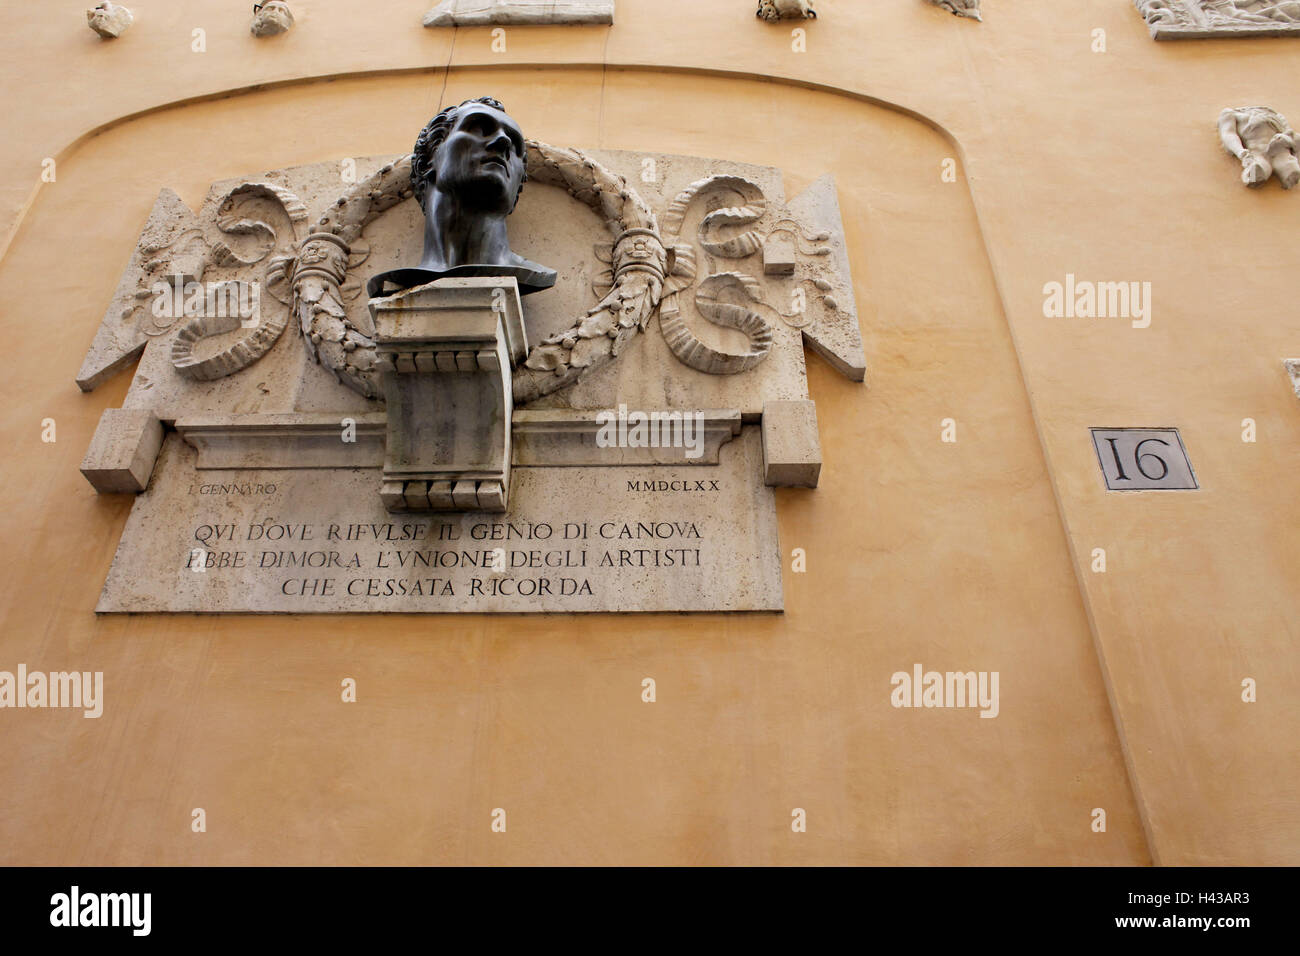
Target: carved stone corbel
{"x":445,"y":354}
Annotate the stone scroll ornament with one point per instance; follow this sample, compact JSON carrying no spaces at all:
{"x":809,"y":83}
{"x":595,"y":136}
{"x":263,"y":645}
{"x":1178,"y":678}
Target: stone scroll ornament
{"x":717,"y":293}
{"x":681,"y":340}
{"x":320,"y":268}
{"x":236,"y":218}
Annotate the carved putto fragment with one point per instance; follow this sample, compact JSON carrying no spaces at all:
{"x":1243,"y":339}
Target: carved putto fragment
{"x":960,"y":8}
{"x":109,"y":20}
{"x":786,"y":10}
{"x":271,"y":18}
{"x":1263,"y":141}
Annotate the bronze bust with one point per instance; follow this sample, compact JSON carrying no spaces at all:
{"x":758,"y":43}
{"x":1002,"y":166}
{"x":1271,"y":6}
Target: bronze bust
{"x":467,"y":170}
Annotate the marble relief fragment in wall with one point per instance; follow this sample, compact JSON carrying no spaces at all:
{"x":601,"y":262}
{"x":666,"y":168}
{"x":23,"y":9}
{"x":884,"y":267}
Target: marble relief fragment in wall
{"x":1207,"y":19}
{"x":1263,"y":141}
{"x":773,"y":10}
{"x":960,"y":8}
{"x":271,"y":18}
{"x":476,"y":13}
{"x":109,"y":20}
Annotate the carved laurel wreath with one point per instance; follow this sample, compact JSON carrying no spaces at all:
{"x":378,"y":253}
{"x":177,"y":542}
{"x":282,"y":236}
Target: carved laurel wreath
{"x":315,"y":280}
{"x":639,"y":260}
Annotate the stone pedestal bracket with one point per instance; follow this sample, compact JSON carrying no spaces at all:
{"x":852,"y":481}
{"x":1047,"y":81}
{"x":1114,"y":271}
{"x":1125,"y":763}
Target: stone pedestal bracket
{"x":445,"y":353}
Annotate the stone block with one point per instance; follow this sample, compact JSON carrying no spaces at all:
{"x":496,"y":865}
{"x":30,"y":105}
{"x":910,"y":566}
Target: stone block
{"x":440,"y":496}
{"x":464,"y":495}
{"x":416,"y":495}
{"x":778,"y":257}
{"x":491,"y":496}
{"x":123,"y":450}
{"x":792,"y":453}
{"x":393,"y":495}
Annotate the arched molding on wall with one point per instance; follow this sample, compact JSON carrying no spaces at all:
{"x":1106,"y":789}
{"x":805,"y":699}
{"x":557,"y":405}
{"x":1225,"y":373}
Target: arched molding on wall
{"x":68,"y":152}
{"x":69,"y":149}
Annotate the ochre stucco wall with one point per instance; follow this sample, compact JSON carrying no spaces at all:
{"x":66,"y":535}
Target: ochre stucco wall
{"x":1119,"y":691}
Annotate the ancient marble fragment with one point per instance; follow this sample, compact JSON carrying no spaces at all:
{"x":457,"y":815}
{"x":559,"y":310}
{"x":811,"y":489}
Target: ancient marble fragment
{"x":271,"y":18}
{"x":109,"y":20}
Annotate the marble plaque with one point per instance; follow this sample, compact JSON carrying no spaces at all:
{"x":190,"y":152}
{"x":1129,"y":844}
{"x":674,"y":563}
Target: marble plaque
{"x":1143,"y":459}
{"x":642,"y":537}
{"x":333,"y":445}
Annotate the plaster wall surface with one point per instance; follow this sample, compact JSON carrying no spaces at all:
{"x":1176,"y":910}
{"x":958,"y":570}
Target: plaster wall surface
{"x":1119,"y":690}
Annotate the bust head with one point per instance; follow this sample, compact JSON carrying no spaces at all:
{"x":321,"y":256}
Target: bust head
{"x":467,"y":170}
{"x":474,"y":152}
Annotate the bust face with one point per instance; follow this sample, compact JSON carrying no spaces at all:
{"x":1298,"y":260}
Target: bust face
{"x":481,"y":162}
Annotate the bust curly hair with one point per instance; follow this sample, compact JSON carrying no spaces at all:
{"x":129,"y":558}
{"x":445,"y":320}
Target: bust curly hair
{"x":432,"y":136}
